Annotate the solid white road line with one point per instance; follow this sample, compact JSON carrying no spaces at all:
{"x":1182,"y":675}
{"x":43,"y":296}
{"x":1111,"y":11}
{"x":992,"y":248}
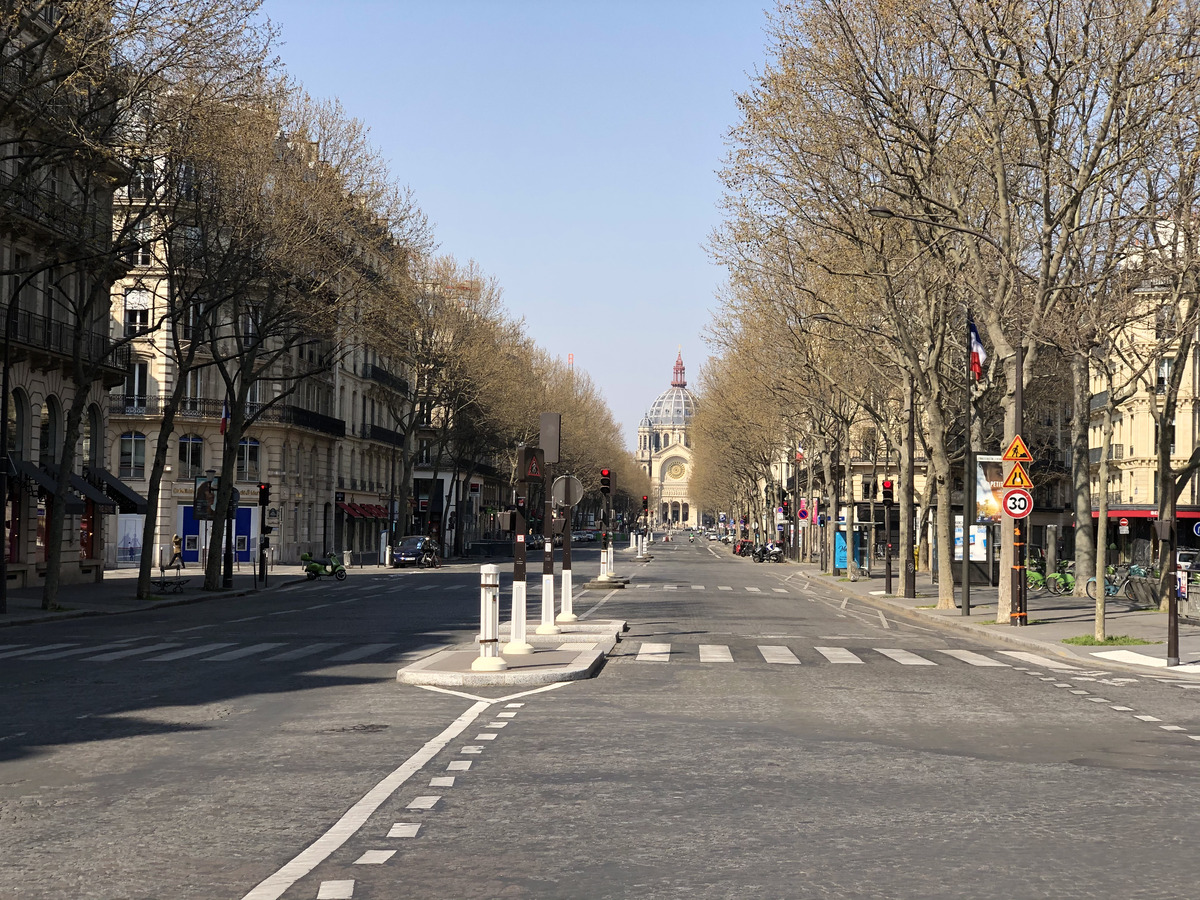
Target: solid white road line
{"x":974,"y":659}
{"x":245,"y":651}
{"x":1041,"y":661}
{"x":274,"y":886}
{"x":301,"y":652}
{"x":905,"y":658}
{"x":654,"y":653}
{"x":360,"y":652}
{"x":883,"y":620}
{"x":190,"y":651}
{"x":122,"y":654}
{"x":715,"y":653}
{"x":781,"y":655}
{"x":837,"y":654}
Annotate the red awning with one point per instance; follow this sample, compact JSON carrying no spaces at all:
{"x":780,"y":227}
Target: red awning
{"x":350,"y":509}
{"x":1144,"y":514}
{"x":378,"y":511}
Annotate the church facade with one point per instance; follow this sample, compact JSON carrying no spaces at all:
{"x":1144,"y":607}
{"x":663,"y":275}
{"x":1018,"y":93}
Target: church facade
{"x":665,"y":453}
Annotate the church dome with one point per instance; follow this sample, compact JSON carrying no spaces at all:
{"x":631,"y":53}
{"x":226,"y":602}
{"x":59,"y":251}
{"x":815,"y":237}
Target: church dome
{"x":676,"y":405}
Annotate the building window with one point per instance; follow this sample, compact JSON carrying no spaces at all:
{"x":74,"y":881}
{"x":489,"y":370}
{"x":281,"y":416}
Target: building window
{"x":141,"y":181}
{"x":135,"y":387}
{"x":137,"y":312}
{"x":191,"y":456}
{"x":247,"y":461}
{"x":139,"y":253}
{"x":193,"y":393}
{"x":132,"y":463}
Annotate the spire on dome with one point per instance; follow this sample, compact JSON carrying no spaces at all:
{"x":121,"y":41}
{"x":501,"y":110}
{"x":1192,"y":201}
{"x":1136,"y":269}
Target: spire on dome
{"x":679,"y":380}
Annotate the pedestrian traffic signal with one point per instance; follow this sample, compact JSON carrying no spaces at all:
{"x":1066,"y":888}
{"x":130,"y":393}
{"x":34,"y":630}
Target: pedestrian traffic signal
{"x":605,"y":481}
{"x":264,"y":494}
{"x":888,"y":493}
{"x":645,"y":503}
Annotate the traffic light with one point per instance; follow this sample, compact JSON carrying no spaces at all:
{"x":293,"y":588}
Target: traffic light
{"x":264,"y":494}
{"x":787,"y":509}
{"x":888,"y":493}
{"x":645,"y":503}
{"x":605,"y":481}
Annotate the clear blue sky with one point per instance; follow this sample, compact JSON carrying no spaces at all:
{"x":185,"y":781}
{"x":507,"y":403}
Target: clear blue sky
{"x":569,"y":147}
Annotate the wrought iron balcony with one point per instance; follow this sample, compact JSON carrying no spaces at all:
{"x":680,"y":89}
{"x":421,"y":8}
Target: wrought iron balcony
{"x":1115,"y":451}
{"x":52,"y":343}
{"x":385,"y":378}
{"x":154,"y":405}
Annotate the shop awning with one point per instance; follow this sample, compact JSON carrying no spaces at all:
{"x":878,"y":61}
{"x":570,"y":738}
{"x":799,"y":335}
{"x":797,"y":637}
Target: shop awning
{"x":46,"y":483}
{"x":90,"y":492}
{"x":127,"y":499}
{"x":1146,"y":514}
{"x":378,"y":511}
{"x":350,"y":510}
{"x":361,"y":510}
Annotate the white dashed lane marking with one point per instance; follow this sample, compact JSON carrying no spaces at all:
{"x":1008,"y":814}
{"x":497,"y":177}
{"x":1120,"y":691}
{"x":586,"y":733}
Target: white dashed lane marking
{"x":336,"y":890}
{"x":654,"y":653}
{"x":374,"y":857}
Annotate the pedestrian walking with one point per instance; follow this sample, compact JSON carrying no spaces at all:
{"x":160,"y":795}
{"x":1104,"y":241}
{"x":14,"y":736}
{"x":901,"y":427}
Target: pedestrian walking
{"x":176,"y":553}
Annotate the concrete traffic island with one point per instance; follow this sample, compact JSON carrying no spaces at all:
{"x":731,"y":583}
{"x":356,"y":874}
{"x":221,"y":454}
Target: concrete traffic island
{"x":567,"y":659}
{"x":590,"y":630}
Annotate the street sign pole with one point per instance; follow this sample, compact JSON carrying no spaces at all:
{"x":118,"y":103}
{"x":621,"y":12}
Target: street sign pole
{"x":887,"y":553}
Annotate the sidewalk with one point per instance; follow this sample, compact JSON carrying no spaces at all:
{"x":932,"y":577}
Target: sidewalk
{"x":117,"y":594}
{"x":1051,"y":619}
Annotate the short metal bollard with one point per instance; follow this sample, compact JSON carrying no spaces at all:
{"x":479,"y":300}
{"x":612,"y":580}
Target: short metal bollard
{"x":489,"y":622}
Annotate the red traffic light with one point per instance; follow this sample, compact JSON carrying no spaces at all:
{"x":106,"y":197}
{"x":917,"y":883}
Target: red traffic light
{"x":604,"y":473}
{"x":887,"y":484}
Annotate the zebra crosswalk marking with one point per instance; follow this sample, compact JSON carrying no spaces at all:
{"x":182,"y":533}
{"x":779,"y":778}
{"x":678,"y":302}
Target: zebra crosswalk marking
{"x":654,"y":653}
{"x":190,"y":651}
{"x":11,"y":653}
{"x":722,"y":587}
{"x":359,"y":652}
{"x":302,"y":652}
{"x":78,"y":651}
{"x":904,"y":657}
{"x":1041,"y":661}
{"x":715,"y":653}
{"x":838,"y":655}
{"x":244,"y":651}
{"x":427,"y":587}
{"x":133,"y":651}
{"x":779,"y":590}
{"x":974,"y":659}
{"x":670,"y":587}
{"x":697,"y":587}
{"x":754,"y":590}
{"x":781,"y":655}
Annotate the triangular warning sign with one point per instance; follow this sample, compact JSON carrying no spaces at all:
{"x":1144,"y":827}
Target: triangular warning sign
{"x":1018,"y":478}
{"x":1017,"y":451}
{"x":533,"y":471}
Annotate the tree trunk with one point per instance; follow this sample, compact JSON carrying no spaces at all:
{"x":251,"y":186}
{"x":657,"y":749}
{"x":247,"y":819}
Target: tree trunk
{"x":1081,"y":476}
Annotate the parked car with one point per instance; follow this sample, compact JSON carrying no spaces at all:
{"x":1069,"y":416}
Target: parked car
{"x":408,"y":552}
{"x":1187,"y":559}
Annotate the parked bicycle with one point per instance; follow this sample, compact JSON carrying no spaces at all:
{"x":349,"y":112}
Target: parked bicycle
{"x":1062,"y":581}
{"x":1035,"y":575}
{"x":1116,"y":581}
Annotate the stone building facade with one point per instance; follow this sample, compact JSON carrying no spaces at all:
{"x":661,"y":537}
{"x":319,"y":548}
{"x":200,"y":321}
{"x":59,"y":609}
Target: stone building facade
{"x":665,"y":453}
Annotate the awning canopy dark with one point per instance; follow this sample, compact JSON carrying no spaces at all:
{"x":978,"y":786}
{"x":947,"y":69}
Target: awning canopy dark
{"x":127,"y":499}
{"x":46,"y":483}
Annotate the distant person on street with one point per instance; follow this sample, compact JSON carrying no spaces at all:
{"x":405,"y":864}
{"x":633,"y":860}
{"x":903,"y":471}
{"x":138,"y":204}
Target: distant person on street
{"x":176,"y":553}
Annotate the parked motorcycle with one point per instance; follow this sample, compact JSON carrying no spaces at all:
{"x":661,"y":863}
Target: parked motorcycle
{"x":314,"y":570}
{"x":768,"y":553}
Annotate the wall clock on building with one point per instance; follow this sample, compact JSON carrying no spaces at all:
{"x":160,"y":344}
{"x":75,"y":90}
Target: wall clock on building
{"x":675,"y":470}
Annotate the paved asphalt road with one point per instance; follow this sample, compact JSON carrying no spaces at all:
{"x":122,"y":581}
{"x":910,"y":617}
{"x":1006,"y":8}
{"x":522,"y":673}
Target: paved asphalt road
{"x":753,"y":736}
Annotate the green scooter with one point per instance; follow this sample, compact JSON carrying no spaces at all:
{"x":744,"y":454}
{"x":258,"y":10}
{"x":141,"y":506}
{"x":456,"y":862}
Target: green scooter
{"x":314,"y":570}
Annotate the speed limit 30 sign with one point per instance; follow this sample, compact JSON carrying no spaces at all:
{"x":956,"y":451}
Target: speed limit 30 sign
{"x":1017,"y":503}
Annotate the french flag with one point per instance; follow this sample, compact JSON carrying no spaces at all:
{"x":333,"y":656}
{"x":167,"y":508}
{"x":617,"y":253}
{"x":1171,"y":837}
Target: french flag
{"x":225,"y":411}
{"x":978,"y":354}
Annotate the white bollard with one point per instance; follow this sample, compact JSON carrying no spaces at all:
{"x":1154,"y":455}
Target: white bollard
{"x":632,"y":541}
{"x":517,"y":643}
{"x":489,"y":622}
{"x":612,"y":561}
{"x":567,"y":616}
{"x":547,"y":625}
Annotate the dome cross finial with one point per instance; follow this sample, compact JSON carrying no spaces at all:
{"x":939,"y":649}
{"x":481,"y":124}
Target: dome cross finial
{"x":679,"y":380}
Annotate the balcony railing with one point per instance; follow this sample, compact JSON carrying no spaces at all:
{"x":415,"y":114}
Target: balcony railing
{"x":385,"y":378}
{"x":1115,"y":451}
{"x":383,"y":435}
{"x":34,"y":332}
{"x":198,"y":408}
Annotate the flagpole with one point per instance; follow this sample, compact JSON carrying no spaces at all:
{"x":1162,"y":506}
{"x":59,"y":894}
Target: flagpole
{"x":968,"y":514}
